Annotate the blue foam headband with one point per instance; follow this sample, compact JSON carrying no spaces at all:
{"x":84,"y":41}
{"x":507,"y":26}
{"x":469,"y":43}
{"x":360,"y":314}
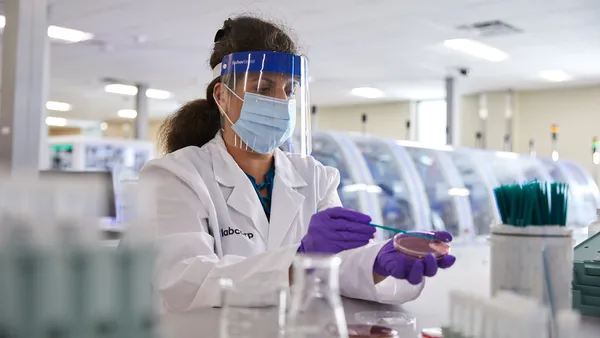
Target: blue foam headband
{"x":275,"y":62}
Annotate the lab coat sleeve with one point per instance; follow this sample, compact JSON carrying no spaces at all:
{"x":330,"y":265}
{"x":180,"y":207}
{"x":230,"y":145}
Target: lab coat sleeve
{"x":356,"y":279}
{"x":187,"y":270}
{"x":356,"y":271}
{"x":328,"y":197}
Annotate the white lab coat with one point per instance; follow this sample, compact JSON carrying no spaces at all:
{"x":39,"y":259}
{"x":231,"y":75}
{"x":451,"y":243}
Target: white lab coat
{"x":210,"y":224}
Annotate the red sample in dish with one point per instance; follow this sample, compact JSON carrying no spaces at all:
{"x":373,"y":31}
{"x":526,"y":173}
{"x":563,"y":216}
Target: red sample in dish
{"x":418,"y":247}
{"x":367,"y":331}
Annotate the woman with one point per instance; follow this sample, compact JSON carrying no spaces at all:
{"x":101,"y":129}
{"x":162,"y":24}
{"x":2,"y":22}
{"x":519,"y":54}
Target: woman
{"x":229,"y":203}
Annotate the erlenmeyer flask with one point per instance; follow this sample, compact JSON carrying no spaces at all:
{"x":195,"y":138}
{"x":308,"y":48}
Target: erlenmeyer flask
{"x":316,"y":308}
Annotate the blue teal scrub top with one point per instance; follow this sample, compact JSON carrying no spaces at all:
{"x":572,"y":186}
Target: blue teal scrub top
{"x":266,"y":184}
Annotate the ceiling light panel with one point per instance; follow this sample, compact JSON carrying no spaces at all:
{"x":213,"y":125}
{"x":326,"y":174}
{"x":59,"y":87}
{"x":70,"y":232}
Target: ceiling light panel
{"x":121,"y":89}
{"x":554,"y":75}
{"x":157,"y":94}
{"x":56,"y":121}
{"x":60,"y":33}
{"x":58,"y":106}
{"x":129,"y":90}
{"x":476,"y":49}
{"x":127,"y":113}
{"x":367,"y":92}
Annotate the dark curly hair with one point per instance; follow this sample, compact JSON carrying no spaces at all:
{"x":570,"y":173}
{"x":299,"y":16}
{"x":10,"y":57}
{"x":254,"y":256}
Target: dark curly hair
{"x":198,"y":121}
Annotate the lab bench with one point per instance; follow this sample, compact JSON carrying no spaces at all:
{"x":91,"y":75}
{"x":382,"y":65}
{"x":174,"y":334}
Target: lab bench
{"x":470,"y":273}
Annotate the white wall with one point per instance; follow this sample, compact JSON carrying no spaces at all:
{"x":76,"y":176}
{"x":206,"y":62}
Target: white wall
{"x":383,"y":119}
{"x":576,"y":111}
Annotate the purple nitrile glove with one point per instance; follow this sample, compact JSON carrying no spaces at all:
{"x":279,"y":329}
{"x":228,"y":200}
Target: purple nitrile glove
{"x":390,"y":262}
{"x":337,"y":229}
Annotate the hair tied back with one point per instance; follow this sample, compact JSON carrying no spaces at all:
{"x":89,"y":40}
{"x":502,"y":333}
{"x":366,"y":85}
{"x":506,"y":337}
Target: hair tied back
{"x":221,"y":33}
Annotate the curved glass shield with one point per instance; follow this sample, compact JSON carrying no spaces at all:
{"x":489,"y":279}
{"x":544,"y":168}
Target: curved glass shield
{"x":585,"y":190}
{"x":533,"y":170}
{"x":437,"y":187}
{"x":398,"y":211}
{"x":329,"y":154}
{"x":504,"y":166}
{"x":483,"y":206}
{"x":264,"y":100}
{"x":554,"y":170}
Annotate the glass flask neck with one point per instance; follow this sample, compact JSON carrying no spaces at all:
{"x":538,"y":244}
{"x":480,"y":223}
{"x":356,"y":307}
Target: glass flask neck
{"x":317,"y":274}
{"x":316,"y":308}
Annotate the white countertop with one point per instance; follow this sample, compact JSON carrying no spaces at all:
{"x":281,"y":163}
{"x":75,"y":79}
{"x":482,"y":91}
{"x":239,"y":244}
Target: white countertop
{"x":470,"y":273}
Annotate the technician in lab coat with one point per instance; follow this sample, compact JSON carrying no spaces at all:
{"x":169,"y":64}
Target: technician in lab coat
{"x":229,"y":203}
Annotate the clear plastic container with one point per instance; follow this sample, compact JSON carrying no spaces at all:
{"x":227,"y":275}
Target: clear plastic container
{"x":419,"y":247}
{"x":594,"y":227}
{"x":393,"y":319}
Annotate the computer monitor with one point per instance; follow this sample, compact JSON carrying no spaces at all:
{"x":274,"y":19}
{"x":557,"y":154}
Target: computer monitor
{"x":101,"y":179}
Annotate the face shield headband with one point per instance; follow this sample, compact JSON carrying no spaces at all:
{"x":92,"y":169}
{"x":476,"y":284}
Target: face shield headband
{"x":268,"y":116}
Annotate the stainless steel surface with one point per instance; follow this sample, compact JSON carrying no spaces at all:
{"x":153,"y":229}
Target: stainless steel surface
{"x":471,"y":273}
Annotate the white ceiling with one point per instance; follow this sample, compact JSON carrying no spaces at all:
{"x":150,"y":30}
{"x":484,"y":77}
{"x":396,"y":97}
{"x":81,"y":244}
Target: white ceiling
{"x":394,"y":45}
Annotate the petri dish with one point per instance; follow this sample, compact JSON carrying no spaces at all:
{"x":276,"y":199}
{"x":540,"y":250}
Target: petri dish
{"x":392,"y":319}
{"x":367,"y":331}
{"x":418,"y":247}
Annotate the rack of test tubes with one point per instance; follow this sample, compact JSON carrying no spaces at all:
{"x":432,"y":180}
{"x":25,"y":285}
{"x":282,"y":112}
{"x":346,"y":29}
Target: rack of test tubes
{"x":506,"y":315}
{"x":56,"y":277}
{"x":586,"y":277}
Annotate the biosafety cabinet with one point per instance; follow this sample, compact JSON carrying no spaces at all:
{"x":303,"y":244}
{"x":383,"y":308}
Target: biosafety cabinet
{"x":584,"y":197}
{"x":357,"y":188}
{"x":402,"y":199}
{"x":81,"y":153}
{"x":446,"y":188}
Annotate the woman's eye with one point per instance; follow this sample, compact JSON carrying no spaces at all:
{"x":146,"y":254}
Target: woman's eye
{"x":264,"y":90}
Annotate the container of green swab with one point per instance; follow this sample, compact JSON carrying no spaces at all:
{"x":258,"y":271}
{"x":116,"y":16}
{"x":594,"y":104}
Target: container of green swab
{"x":534,"y":219}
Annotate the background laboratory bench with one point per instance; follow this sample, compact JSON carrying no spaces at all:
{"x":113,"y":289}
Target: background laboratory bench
{"x":431,"y":309}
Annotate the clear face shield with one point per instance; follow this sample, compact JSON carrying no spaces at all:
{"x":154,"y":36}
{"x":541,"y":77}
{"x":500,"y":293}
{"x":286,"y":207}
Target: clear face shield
{"x":264,"y":102}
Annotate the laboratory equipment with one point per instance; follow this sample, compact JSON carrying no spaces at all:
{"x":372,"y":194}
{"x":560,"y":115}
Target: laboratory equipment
{"x":586,"y":188}
{"x":101,"y":182}
{"x":398,"y":231}
{"x":366,"y":331}
{"x":82,"y":153}
{"x":586,"y":276}
{"x":480,"y":184}
{"x":578,"y":214}
{"x":594,"y":226}
{"x":357,"y":190}
{"x":114,"y":190}
{"x":316,"y":308}
{"x":256,"y":306}
{"x":506,"y":315}
{"x":448,"y":197}
{"x":57,"y":279}
{"x":516,"y":258}
{"x":418,"y":247}
{"x":403,"y":200}
{"x":393,"y":319}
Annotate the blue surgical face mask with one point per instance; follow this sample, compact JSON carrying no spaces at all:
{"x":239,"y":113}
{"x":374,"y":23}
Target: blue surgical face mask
{"x":265,"y":122}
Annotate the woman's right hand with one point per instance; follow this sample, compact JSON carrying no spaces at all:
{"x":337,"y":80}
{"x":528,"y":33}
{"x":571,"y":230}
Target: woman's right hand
{"x":337,"y":229}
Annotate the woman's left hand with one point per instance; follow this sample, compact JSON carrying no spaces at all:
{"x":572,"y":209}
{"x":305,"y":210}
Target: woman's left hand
{"x":390,"y":262}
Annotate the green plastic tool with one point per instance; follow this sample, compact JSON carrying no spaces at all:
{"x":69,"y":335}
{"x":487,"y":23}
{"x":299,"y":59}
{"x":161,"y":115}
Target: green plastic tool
{"x":402,"y":231}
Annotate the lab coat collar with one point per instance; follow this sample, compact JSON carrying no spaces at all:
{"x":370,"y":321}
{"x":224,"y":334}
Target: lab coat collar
{"x":286,"y":201}
{"x":242,"y":197}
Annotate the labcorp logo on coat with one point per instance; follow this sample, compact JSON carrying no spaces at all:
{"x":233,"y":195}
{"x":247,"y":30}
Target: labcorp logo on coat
{"x":230,"y":231}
